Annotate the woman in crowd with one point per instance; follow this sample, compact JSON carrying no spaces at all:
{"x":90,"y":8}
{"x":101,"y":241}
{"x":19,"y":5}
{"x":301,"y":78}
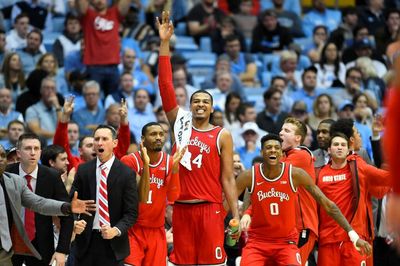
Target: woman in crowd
{"x":12,"y":75}
{"x":323,"y":108}
{"x":331,"y":71}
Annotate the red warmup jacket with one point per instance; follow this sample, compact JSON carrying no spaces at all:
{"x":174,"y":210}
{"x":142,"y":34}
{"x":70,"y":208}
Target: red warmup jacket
{"x":61,"y":138}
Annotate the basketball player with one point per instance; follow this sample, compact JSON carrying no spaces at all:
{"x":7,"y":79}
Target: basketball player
{"x":158,"y":180}
{"x":206,"y":169}
{"x":272,"y":233}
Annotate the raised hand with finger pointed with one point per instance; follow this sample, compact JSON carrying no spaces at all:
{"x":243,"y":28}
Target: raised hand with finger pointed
{"x":165,"y":26}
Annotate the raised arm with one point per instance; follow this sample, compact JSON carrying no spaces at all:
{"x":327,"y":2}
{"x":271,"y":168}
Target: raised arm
{"x":167,"y":92}
{"x":227,"y":178}
{"x":301,"y":178}
{"x":144,"y":183}
{"x":124,"y":134}
{"x":81,"y":6}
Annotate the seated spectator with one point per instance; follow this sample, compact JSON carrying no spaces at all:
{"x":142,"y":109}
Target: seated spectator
{"x":245,"y":20}
{"x":343,"y":35}
{"x":203,"y":19}
{"x":76,"y":82}
{"x":268,"y":35}
{"x":346,"y":110}
{"x":41,"y":118}
{"x":222,"y":33}
{"x":388,"y":34}
{"x":125,"y":92}
{"x":331,"y":71}
{"x":14,"y":129}
{"x":31,"y":53}
{"x":372,"y":16}
{"x":180,"y":79}
{"x":242,"y":64}
{"x":12,"y":75}
{"x":288,"y":69}
{"x":217,"y":118}
{"x":74,"y":62}
{"x":288,"y":18}
{"x":93,"y":113}
{"x":299,"y":111}
{"x":313,"y":50}
{"x":320,"y":15}
{"x":250,"y":150}
{"x":16,"y":38}
{"x":2,"y":46}
{"x":365,"y":48}
{"x":38,"y":12}
{"x":371,"y":83}
{"x":223,"y":87}
{"x":310,"y":90}
{"x":272,"y":117}
{"x":323,"y":108}
{"x":141,"y":114}
{"x":364,"y":108}
{"x":281,"y":83}
{"x":48,"y":63}
{"x":69,"y":40}
{"x":73,"y":137}
{"x":232,"y":103}
{"x":182,"y":98}
{"x":117,"y":115}
{"x":352,"y":86}
{"x":7,"y":112}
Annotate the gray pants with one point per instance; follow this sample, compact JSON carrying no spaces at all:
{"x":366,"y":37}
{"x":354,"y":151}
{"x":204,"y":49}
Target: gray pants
{"x":5,"y":257}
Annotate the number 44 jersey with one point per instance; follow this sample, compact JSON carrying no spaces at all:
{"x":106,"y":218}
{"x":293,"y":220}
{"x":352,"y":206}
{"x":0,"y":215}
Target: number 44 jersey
{"x":273,"y":201}
{"x":204,"y":180}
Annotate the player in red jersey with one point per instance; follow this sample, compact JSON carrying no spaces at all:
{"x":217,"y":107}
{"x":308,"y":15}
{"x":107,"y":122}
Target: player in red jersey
{"x":272,"y":233}
{"x":350,"y":193}
{"x":86,"y":150}
{"x":293,"y":133}
{"x":158,"y":181}
{"x":206,"y":170}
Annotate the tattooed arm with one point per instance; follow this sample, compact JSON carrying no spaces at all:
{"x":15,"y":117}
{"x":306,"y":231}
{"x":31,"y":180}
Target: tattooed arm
{"x":301,"y":178}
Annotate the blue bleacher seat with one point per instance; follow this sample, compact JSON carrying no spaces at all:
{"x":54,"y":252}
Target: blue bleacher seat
{"x":180,"y":29}
{"x":49,"y":39}
{"x":58,"y":24}
{"x":185,"y":44}
{"x":255,"y":96}
{"x":7,"y":25}
{"x":205,"y":44}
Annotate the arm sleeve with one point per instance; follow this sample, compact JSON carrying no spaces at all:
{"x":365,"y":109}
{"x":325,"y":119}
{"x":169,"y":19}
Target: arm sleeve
{"x":61,"y":139}
{"x":165,"y":84}
{"x":124,"y":140}
{"x":375,"y":177}
{"x":174,"y":186}
{"x":58,"y":51}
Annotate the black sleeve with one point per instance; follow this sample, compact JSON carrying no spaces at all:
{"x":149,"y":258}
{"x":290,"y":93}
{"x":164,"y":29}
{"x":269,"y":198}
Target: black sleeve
{"x":256,"y":41}
{"x":377,"y":152}
{"x":58,"y":51}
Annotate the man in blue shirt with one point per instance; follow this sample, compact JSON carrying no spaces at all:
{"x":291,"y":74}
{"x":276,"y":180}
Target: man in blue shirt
{"x":320,"y":15}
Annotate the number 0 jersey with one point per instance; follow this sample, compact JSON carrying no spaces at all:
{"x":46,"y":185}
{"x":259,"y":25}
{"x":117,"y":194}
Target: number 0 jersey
{"x":204,"y":180}
{"x":273,"y":201}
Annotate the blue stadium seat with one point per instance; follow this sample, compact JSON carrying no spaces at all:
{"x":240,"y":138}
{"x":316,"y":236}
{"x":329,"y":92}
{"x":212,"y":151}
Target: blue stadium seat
{"x":185,"y":44}
{"x":200,"y":55}
{"x":180,"y":29}
{"x":266,"y":79}
{"x":49,"y":39}
{"x":255,"y":96}
{"x":205,"y":44}
{"x":7,"y":25}
{"x":58,"y":24}
{"x":302,"y":42}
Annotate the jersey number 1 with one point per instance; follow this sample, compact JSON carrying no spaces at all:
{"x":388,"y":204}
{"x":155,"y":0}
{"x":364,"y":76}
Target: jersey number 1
{"x":149,"y":197}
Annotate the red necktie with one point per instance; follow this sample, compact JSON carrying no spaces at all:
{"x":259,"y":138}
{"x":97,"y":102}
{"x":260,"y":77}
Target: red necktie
{"x":104,"y":218}
{"x":29,"y":215}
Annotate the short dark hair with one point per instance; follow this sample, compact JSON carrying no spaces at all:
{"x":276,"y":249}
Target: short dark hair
{"x":344,"y":126}
{"x":145,"y":127}
{"x":201,"y":91}
{"x":391,"y":11}
{"x":2,"y":31}
{"x":15,"y":122}
{"x":113,"y":131}
{"x":278,"y":77}
{"x":358,"y":28}
{"x":19,"y":16}
{"x":26,"y":136}
{"x":231,"y":38}
{"x":328,"y":121}
{"x":50,"y":153}
{"x":140,"y":89}
{"x":320,"y":27}
{"x":270,"y":136}
{"x":82,"y":139}
{"x":37,"y":31}
{"x":241,"y":110}
{"x":338,"y":134}
{"x":70,"y":16}
{"x":270,"y":92}
{"x":309,"y":69}
{"x":351,"y":69}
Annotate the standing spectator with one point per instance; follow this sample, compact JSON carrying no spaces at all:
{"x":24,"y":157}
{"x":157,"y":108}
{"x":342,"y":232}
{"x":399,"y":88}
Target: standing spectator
{"x":93,"y":114}
{"x":388,"y":34}
{"x":242,"y":64}
{"x":7,"y":112}
{"x":268,"y":35}
{"x":331,"y":71}
{"x":372,"y":15}
{"x":41,"y":118}
{"x":245,"y":20}
{"x":45,"y":182}
{"x":14,"y":129}
{"x":320,"y":15}
{"x":272,"y":117}
{"x":31,"y":53}
{"x":288,"y":18}
{"x":112,"y":184}
{"x":323,"y":108}
{"x":70,"y":40}
{"x":141,"y":114}
{"x":102,"y":48}
{"x":16,"y":38}
{"x":12,"y":75}
{"x":203,"y":19}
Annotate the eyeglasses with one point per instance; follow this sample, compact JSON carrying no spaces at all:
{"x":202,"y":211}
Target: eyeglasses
{"x":355,"y":78}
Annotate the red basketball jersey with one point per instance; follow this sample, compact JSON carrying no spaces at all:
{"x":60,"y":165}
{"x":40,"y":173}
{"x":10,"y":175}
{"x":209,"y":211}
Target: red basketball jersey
{"x":152,"y":213}
{"x":273,"y":201}
{"x":204,"y":180}
{"x":336,"y":184}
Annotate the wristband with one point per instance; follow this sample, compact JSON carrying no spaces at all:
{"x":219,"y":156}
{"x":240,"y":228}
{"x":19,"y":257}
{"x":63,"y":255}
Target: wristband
{"x":353,"y":238}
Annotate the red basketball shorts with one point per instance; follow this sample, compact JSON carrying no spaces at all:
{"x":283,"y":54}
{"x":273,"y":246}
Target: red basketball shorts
{"x":148,"y":246}
{"x":198,"y":234}
{"x":341,"y":253}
